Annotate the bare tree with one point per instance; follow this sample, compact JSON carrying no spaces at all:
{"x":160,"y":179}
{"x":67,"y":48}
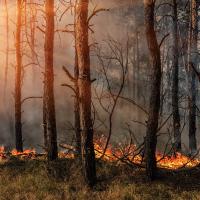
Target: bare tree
{"x":175,"y":78}
{"x":192,"y":63}
{"x":7,"y":47}
{"x":154,"y":104}
{"x":18,"y":79}
{"x":84,"y":84}
{"x":48,"y":98}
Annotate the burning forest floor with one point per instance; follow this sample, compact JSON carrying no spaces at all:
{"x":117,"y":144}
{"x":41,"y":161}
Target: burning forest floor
{"x":29,"y":179}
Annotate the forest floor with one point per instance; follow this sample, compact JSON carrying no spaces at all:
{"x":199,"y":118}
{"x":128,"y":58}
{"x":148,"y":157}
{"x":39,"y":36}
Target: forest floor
{"x":29,"y":180}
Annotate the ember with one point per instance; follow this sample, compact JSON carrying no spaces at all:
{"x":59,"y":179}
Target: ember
{"x":2,"y":153}
{"x":113,"y":154}
{"x":28,"y":153}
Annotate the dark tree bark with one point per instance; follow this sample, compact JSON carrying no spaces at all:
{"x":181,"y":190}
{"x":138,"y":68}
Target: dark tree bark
{"x":84,"y":84}
{"x":48,"y":99}
{"x":77,"y":101}
{"x":175,"y":79}
{"x":77,"y":110}
{"x":192,"y":63}
{"x":154,"y":106}
{"x":18,"y":79}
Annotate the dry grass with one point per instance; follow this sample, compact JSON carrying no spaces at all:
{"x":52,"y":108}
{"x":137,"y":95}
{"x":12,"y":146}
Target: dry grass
{"x":29,"y":180}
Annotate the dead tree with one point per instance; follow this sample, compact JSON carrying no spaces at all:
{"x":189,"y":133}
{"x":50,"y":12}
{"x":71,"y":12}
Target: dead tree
{"x":48,"y":96}
{"x":154,"y":104}
{"x":175,"y":78}
{"x":18,"y":79}
{"x":84,"y":84}
{"x":109,"y":97}
{"x":192,"y":63}
{"x":77,"y":109}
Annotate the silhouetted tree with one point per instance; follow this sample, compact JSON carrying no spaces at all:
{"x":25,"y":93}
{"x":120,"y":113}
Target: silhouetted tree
{"x":18,"y":79}
{"x":154,"y":104}
{"x":48,"y":98}
{"x":192,"y":63}
{"x":175,"y":78}
{"x":84,"y":84}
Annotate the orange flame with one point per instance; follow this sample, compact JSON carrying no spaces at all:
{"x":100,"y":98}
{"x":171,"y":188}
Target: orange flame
{"x":2,"y":153}
{"x":129,"y":152}
{"x":28,"y":153}
{"x":113,"y":154}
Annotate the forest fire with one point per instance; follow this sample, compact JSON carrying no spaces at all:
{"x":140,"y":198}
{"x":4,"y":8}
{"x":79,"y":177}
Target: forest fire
{"x":113,"y":154}
{"x":129,"y":154}
{"x":2,"y":153}
{"x":28,"y":153}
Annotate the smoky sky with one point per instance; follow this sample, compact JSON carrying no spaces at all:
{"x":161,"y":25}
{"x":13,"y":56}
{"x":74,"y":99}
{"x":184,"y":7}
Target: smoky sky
{"x":123,"y":20}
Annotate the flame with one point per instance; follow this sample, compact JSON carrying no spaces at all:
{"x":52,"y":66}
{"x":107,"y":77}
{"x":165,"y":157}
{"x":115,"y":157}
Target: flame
{"x":63,"y":154}
{"x":28,"y":153}
{"x":2,"y":153}
{"x":175,"y":161}
{"x":117,"y":153}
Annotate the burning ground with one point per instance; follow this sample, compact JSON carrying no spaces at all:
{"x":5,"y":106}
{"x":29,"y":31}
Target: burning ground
{"x":119,"y":154}
{"x":120,"y":175}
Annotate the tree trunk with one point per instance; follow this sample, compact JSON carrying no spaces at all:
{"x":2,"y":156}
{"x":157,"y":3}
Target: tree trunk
{"x":175,"y":79}
{"x":7,"y":49}
{"x":154,"y":106}
{"x":137,"y":67}
{"x":84,"y":84}
{"x":77,"y":110}
{"x":33,"y":13}
{"x":18,"y":79}
{"x":192,"y":63}
{"x":49,"y":102}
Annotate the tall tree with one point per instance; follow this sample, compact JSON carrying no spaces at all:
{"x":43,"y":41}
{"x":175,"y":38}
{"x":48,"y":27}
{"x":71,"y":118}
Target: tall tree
{"x":18,"y":78}
{"x":7,"y":47}
{"x":175,"y":78}
{"x":154,"y":106}
{"x":33,"y":16}
{"x":84,"y":84}
{"x":48,"y":98}
{"x":77,"y":109}
{"x":192,"y":63}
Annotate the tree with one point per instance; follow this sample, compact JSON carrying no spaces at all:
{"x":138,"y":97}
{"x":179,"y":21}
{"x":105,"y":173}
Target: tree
{"x":7,"y":48}
{"x":18,"y":79}
{"x":175,"y":78}
{"x":192,"y":63}
{"x":154,"y":106}
{"x":77,"y":109}
{"x":84,"y":84}
{"x":48,"y":97}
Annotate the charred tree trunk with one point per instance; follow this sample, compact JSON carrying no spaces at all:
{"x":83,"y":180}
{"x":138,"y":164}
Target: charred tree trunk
{"x":77,"y":101}
{"x":84,"y":84}
{"x":192,"y":63}
{"x":49,"y":101}
{"x":154,"y":106}
{"x":77,"y":110}
{"x":175,"y":79}
{"x":18,"y":79}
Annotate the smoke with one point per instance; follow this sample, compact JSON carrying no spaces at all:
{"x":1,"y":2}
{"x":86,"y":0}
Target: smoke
{"x":123,"y":20}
